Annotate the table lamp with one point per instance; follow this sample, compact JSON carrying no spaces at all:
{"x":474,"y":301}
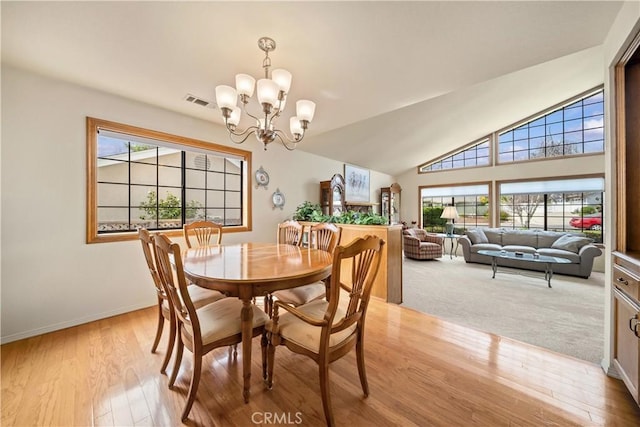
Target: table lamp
{"x":450,"y":213}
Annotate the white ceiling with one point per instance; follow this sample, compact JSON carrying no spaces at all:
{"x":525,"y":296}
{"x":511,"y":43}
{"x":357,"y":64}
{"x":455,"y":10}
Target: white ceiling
{"x":380,"y":72}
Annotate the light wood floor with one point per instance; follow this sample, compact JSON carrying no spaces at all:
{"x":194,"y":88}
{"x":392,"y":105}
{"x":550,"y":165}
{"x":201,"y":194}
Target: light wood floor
{"x":422,"y":371}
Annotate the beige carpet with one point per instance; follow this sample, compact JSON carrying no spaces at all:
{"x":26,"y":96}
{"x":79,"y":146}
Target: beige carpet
{"x":568,"y":318}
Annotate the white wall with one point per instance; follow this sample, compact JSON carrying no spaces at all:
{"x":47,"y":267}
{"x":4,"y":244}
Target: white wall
{"x":625,"y":27}
{"x":50,"y":278}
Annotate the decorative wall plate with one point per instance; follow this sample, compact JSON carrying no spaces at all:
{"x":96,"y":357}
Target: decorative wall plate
{"x":278,"y":199}
{"x":262,"y":178}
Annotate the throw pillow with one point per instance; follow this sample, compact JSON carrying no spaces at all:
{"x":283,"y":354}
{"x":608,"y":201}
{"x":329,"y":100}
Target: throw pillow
{"x":477,"y":236}
{"x":571,"y":243}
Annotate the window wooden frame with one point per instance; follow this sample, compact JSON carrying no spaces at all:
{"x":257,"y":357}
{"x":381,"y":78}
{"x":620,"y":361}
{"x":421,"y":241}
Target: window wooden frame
{"x":94,"y":125}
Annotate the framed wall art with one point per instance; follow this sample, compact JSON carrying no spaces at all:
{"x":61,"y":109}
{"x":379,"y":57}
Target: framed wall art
{"x":356,"y":184}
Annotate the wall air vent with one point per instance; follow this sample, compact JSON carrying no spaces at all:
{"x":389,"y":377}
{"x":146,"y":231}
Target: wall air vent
{"x":199,"y":101}
{"x":202,"y":162}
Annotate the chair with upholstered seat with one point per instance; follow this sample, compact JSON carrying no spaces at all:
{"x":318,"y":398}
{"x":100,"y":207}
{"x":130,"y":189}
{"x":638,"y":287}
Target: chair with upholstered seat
{"x":289,"y":233}
{"x":327,"y":330}
{"x":323,"y":236}
{"x":418,"y":244}
{"x":203,"y":233}
{"x":199,"y":297}
{"x":203,"y":329}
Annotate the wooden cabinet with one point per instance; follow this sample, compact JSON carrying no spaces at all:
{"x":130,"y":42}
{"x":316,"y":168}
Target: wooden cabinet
{"x":332,"y":198}
{"x":628,"y":153}
{"x":388,"y":283}
{"x":390,"y":203}
{"x":626,"y":354}
{"x":626,"y":257}
{"x":332,"y":195}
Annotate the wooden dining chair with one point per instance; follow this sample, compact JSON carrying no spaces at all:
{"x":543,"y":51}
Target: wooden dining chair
{"x":323,"y":236}
{"x":327,"y":330}
{"x":290,"y":233}
{"x":203,"y":329}
{"x":203,"y":232}
{"x":199,"y":296}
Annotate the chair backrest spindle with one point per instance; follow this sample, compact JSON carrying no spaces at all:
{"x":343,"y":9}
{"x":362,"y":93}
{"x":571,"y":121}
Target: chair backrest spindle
{"x":205,"y":233}
{"x":175,"y":282}
{"x":289,"y":233}
{"x":324,"y":236}
{"x":363,"y":255}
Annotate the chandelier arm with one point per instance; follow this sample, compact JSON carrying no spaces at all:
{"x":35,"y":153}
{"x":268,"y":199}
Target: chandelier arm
{"x":244,"y":109}
{"x":284,"y":141}
{"x":274,"y":117}
{"x":283,"y":136}
{"x":244,"y":135}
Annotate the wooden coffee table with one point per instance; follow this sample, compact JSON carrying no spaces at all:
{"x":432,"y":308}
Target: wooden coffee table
{"x":548,"y":261}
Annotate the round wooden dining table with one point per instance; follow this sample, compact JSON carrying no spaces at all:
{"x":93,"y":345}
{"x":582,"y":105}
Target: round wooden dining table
{"x":249,"y":270}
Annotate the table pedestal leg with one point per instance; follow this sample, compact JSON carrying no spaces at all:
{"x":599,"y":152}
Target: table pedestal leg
{"x":246,"y":317}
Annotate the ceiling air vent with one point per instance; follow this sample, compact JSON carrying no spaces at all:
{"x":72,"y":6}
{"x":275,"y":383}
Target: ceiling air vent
{"x":199,"y":101}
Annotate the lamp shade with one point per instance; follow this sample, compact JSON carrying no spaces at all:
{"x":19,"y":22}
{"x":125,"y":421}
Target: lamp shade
{"x":245,"y":84}
{"x":268,"y":91}
{"x":282,"y":78}
{"x":450,"y":212}
{"x":305,"y":110}
{"x":226,"y":97}
{"x":295,"y":126}
{"x":234,"y":118}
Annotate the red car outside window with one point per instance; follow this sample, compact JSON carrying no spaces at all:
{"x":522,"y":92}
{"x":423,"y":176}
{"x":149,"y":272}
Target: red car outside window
{"x":587,"y":222}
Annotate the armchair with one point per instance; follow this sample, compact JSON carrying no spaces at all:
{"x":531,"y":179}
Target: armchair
{"x":418,"y":244}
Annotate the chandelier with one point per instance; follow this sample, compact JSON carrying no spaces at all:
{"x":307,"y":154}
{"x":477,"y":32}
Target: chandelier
{"x":272,"y":96}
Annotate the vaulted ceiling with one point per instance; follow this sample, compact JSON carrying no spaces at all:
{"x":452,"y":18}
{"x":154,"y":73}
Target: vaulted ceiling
{"x":395,"y":83}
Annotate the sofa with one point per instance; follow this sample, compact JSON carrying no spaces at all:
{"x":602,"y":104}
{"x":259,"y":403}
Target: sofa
{"x":418,"y":244}
{"x":578,"y":249}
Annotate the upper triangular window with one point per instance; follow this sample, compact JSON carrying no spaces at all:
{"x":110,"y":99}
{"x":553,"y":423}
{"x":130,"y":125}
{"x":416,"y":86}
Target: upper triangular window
{"x":471,"y":156}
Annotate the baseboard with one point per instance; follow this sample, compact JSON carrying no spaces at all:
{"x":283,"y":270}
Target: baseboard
{"x":71,"y":323}
{"x":610,"y":370}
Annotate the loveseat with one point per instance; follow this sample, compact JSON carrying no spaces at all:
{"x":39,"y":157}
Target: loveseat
{"x":418,"y":244}
{"x":576,"y":248}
